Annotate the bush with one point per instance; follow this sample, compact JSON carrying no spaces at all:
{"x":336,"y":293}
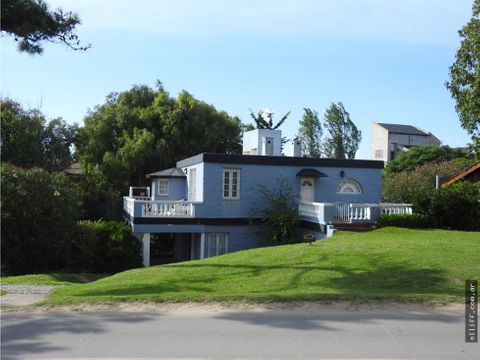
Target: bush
{"x":103,"y":247}
{"x":280,"y":215}
{"x":39,"y":210}
{"x":416,"y":156}
{"x":403,"y":187}
{"x":456,"y":206}
{"x":412,"y":221}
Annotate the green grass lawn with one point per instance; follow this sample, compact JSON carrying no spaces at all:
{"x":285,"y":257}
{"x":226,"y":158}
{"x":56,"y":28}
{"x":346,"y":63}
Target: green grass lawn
{"x":387,"y":264}
{"x":52,"y":279}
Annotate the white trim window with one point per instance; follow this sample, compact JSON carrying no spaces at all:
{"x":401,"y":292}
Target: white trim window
{"x":231,"y":184}
{"x":162,"y":187}
{"x":349,"y":186}
{"x":378,"y":154}
{"x":217,"y":244}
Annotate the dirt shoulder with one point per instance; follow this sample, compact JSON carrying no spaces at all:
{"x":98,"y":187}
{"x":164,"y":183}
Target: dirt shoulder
{"x":300,"y":307}
{"x":26,"y":297}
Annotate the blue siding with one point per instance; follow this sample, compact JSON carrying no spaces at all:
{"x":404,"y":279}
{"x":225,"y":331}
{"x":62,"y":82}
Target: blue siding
{"x":239,"y":237}
{"x":176,"y":189}
{"x":253,"y":176}
{"x":199,"y":180}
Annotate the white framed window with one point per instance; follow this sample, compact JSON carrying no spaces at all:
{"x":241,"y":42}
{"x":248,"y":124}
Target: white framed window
{"x":231,"y":184}
{"x":349,"y":186}
{"x":162,"y":187}
{"x":217,"y":244}
{"x":378,"y":154}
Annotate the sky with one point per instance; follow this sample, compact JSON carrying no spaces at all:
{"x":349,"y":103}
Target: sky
{"x":386,"y":61}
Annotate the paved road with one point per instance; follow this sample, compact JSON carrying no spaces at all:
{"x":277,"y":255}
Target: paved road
{"x":221,"y":335}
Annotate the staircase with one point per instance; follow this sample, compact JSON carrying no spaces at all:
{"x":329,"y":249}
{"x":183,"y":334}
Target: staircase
{"x":346,"y":226}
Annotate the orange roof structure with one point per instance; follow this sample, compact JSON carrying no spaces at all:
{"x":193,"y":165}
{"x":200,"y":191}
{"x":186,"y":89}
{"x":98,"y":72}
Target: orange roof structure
{"x":471,"y":171}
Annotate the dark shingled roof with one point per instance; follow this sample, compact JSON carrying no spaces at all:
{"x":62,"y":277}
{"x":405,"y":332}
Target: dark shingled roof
{"x":311,"y":172}
{"x":403,"y":129}
{"x":168,"y":173}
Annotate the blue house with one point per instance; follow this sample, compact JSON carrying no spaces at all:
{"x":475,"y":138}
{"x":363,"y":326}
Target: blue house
{"x":205,"y":203}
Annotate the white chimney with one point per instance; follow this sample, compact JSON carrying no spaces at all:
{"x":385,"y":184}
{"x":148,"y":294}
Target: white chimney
{"x":262,"y":142}
{"x":294,"y":148}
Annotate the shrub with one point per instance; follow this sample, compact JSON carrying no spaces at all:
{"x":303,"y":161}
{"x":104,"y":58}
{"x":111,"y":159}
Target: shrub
{"x":38,"y":212}
{"x":412,"y":221}
{"x":103,"y":247}
{"x":404,"y":186}
{"x":280,"y":215}
{"x":456,"y":206}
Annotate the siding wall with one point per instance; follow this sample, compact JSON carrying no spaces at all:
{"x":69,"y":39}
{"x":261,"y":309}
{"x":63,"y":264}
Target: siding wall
{"x":253,"y":176}
{"x":176,"y":189}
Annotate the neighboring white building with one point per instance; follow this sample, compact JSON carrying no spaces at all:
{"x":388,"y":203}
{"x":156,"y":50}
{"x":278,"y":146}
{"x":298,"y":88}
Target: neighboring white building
{"x":388,"y":140}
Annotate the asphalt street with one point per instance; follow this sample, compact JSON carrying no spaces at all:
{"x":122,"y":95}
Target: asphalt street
{"x":235,"y":334}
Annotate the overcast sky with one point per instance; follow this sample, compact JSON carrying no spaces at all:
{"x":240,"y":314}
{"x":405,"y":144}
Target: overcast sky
{"x":387,"y":61}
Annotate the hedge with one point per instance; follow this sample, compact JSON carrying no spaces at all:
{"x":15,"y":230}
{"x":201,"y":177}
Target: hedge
{"x":103,"y":247}
{"x":413,"y":221}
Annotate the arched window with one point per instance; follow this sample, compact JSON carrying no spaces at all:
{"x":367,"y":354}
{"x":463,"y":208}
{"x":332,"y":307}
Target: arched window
{"x":349,"y":186}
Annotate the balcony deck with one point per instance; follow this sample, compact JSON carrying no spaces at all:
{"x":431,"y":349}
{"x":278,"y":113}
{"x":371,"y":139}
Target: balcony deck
{"x":144,"y":207}
{"x":327,"y":213}
{"x":321,"y":213}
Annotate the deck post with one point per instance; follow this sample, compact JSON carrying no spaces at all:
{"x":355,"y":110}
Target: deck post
{"x":202,"y":245}
{"x":146,"y":249}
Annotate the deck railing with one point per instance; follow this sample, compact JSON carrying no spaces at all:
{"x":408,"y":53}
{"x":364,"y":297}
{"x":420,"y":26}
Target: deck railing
{"x":350,"y":212}
{"x":145,"y":207}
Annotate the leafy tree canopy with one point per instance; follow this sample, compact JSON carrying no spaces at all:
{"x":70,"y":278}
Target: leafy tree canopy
{"x":416,"y":156}
{"x":38,"y":211}
{"x":343,"y":137}
{"x":403,"y":187}
{"x":27,"y":140}
{"x":310,"y":134}
{"x":464,"y":84}
{"x":31,"y":22}
{"x":264,"y":119}
{"x":143,"y":130}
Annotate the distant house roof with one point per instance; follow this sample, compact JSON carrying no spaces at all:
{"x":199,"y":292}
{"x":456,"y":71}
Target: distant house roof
{"x":74,"y":169}
{"x":403,"y":129}
{"x":311,"y":172}
{"x":168,"y":173}
{"x":469,"y":173}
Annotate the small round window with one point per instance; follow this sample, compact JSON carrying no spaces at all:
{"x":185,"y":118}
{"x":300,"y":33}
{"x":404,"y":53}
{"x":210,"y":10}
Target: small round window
{"x":349,"y":186}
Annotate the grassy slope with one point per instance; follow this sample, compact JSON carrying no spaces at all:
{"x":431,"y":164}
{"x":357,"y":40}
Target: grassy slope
{"x":390,"y":263}
{"x":52,"y":279}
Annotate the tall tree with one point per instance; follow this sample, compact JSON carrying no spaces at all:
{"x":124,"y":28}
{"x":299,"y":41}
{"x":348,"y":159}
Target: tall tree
{"x":31,"y":22}
{"x":143,"y":130}
{"x":464,"y":84}
{"x":57,"y":139}
{"x":21,"y":137}
{"x":310,"y":133}
{"x":344,"y":137}
{"x":264,"y":119}
{"x":27,"y":140}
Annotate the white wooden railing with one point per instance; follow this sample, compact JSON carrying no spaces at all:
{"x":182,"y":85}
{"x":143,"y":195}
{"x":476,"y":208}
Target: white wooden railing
{"x":167,"y":209}
{"x":350,"y":212}
{"x":309,"y":209}
{"x":128,"y":205}
{"x":145,"y":207}
{"x":391,"y":208}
